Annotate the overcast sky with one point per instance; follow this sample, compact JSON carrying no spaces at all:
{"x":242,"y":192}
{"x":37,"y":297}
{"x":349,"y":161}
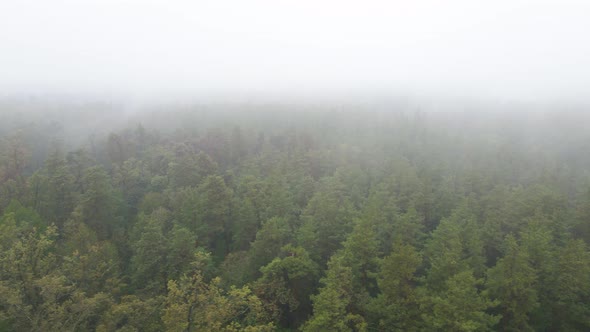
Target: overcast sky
{"x":508,"y":49}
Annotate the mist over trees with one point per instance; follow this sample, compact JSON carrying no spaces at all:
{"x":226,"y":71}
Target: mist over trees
{"x":280,"y":217}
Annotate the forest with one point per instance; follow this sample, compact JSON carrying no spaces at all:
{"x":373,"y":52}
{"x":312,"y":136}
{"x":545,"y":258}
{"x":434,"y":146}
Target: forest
{"x":276,"y":217}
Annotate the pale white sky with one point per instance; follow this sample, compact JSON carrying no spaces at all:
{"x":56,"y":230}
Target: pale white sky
{"x":508,"y":49}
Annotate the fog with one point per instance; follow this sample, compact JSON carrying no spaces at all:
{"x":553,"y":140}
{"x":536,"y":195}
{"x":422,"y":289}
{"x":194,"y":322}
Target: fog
{"x":517,"y":50}
{"x":294,"y":165}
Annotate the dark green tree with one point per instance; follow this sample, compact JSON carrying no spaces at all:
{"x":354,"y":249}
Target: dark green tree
{"x":513,"y":283}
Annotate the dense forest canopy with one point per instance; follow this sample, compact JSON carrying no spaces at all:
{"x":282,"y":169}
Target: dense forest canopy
{"x":263,"y":217}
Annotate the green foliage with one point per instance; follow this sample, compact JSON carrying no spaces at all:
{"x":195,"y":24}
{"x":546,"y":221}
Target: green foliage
{"x":132,"y":314}
{"x":57,"y":199}
{"x":180,"y":250}
{"x":98,"y":203}
{"x":455,"y":246}
{"x":331,"y":307}
{"x":206,"y":211}
{"x":37,"y":296}
{"x":398,"y":304}
{"x":22,"y":217}
{"x":360,"y":253}
{"x":272,"y":236}
{"x":149,"y":252}
{"x":327,"y":220}
{"x":311,"y":220}
{"x":162,"y":250}
{"x":513,"y":282}
{"x":459,"y":307}
{"x":93,"y":265}
{"x":190,"y":169}
{"x":193,"y":304}
{"x":571,"y":307}
{"x":286,"y":285}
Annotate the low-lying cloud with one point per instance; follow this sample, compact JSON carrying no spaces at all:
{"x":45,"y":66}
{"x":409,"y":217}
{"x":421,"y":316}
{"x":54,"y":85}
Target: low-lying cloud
{"x":507,"y":49}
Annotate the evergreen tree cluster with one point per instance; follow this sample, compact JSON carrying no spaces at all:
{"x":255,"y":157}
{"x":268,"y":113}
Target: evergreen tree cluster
{"x":306,"y":220}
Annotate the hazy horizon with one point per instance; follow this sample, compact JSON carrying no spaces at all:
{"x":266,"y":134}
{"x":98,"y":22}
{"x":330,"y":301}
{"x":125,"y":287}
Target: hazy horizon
{"x":513,"y":51}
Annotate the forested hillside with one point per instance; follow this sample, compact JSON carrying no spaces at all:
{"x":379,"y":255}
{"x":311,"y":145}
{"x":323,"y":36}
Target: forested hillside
{"x":275,"y":218}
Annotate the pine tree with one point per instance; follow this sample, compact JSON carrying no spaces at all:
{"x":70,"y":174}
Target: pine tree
{"x":459,"y":306}
{"x":331,"y":307}
{"x":513,"y":283}
{"x":398,"y":304}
